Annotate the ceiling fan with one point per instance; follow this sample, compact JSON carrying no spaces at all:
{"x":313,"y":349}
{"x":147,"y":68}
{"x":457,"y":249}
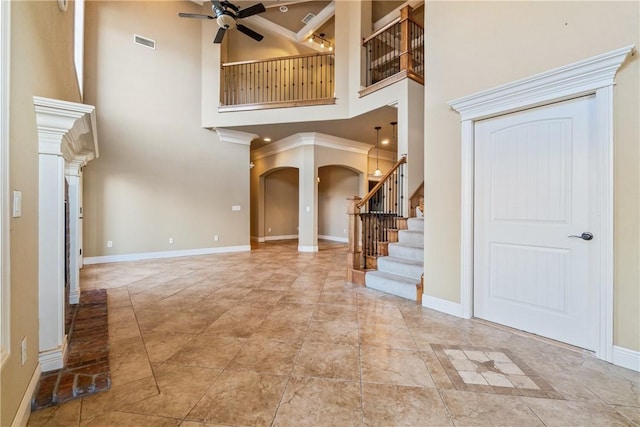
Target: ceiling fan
{"x":226,"y":15}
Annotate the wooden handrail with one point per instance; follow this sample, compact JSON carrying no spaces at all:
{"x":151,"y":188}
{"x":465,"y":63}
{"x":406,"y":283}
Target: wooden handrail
{"x":279,"y":58}
{"x":380,"y":183}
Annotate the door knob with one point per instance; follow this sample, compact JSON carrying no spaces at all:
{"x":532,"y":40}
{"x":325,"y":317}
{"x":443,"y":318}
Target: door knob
{"x":583,"y":236}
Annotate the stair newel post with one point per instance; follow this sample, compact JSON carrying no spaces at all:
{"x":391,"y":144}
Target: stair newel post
{"x":354,"y":253}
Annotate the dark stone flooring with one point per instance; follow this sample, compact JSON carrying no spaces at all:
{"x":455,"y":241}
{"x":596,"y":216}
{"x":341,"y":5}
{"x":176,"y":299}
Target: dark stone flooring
{"x":87,"y":369}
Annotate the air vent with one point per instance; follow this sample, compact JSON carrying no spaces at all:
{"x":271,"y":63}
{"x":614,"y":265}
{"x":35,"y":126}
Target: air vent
{"x":308,"y":18}
{"x":143,"y":41}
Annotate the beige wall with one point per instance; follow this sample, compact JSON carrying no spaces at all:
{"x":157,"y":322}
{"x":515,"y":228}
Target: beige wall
{"x":336,"y":185}
{"x":41,"y":65}
{"x":281,"y":202}
{"x":473,"y":46}
{"x":159,"y":175}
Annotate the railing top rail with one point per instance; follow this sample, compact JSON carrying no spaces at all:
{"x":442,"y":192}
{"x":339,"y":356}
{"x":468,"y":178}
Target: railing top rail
{"x":254,"y":61}
{"x":386,"y":176}
{"x":381,"y":30}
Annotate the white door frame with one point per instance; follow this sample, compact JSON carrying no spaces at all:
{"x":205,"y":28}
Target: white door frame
{"x":593,"y":76}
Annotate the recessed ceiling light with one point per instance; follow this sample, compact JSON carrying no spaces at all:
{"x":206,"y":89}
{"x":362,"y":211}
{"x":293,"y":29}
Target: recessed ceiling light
{"x":283,"y":9}
{"x":266,"y":139}
{"x":384,"y":141}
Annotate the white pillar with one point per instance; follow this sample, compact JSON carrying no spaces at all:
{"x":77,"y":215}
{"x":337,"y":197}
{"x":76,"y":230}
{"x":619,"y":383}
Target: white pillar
{"x":66,"y":134}
{"x":308,"y":201}
{"x":73,"y":176}
{"x":53,"y":341}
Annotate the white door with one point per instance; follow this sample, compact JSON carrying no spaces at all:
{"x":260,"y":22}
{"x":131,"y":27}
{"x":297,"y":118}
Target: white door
{"x":532,"y":191}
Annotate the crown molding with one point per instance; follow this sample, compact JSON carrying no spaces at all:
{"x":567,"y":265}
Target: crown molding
{"x":235,"y":136}
{"x":315,"y":139}
{"x":66,"y":128}
{"x":580,"y":78}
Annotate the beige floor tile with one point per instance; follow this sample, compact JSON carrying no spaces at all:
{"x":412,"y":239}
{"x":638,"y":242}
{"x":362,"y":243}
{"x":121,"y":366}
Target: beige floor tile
{"x":67,"y":414}
{"x":379,"y":335}
{"x":128,"y":360}
{"x":391,"y":366}
{"x":324,"y":360}
{"x":181,"y":387}
{"x":630,"y":413}
{"x":208,"y":351}
{"x":391,"y":405}
{"x":267,"y":356}
{"x":119,"y":396}
{"x":335,"y":331}
{"x":563,"y":413}
{"x":161,"y":345}
{"x":240,"y":398}
{"x":126,"y":419}
{"x":483,"y":409}
{"x":319,"y":402}
{"x":324,"y":312}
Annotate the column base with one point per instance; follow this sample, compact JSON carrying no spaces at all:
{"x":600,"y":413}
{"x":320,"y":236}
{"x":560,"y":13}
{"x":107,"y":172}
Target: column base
{"x":50,"y":360}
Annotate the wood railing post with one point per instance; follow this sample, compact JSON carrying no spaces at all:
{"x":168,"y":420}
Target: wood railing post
{"x":406,"y":58}
{"x":354,"y":253}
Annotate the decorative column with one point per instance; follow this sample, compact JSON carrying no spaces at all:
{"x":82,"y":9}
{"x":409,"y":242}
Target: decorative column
{"x":354,"y":254}
{"x":66,"y":134}
{"x":308,"y":199}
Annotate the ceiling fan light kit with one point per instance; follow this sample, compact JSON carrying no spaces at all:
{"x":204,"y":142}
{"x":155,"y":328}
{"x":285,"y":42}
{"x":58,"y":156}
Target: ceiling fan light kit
{"x":227,"y":15}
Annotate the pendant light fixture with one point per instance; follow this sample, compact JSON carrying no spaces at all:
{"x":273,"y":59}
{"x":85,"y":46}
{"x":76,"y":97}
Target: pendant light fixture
{"x":377,"y":172}
{"x":395,"y":140}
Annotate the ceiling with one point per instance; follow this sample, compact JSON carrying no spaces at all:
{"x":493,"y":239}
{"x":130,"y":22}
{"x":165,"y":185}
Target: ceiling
{"x":360,"y":128}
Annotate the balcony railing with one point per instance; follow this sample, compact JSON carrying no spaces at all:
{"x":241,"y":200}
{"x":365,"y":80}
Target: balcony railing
{"x":278,"y":82}
{"x":394,"y":52}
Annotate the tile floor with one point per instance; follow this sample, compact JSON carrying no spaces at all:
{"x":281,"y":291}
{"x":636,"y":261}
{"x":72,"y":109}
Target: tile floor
{"x":276,"y":337}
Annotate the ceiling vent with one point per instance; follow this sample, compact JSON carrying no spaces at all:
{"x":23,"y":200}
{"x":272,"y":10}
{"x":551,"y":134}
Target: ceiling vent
{"x":308,"y":18}
{"x":144,"y":41}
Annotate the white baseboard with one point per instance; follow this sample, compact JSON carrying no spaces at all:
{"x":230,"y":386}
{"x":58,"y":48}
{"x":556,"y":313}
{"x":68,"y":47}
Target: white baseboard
{"x":626,"y":358}
{"x":51,"y":360}
{"x":24,"y":410}
{"x":282,"y":237}
{"x":443,"y":305}
{"x":74,"y":297}
{"x":164,"y":254}
{"x":307,"y":249}
{"x":334,"y":238}
{"x":257,"y":239}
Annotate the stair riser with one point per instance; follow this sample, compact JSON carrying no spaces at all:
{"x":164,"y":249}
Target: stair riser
{"x":407,"y":252}
{"x":401,"y":269}
{"x":415,"y":224}
{"x":411,"y":237}
{"x":390,"y":287}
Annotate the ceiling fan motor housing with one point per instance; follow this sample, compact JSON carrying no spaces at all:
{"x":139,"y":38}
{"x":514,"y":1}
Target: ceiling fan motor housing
{"x":226,"y":19}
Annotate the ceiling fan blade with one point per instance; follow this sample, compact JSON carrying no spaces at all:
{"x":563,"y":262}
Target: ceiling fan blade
{"x":194,"y":15}
{"x":252,"y":10}
{"x":249,"y":32}
{"x":220,"y":35}
{"x":230,"y":5}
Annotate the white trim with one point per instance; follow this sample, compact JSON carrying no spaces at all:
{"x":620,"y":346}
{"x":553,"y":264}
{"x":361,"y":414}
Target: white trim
{"x":78,"y":43}
{"x":164,"y":254}
{"x":310,"y":138}
{"x":443,"y":305}
{"x":24,"y":410}
{"x":307,"y":249}
{"x":235,"y":136}
{"x":51,"y":360}
{"x":334,"y":238}
{"x":281,"y":237}
{"x":626,"y":358}
{"x":577,"y":79}
{"x":5,"y":277}
{"x":595,"y":75}
{"x":257,"y":239}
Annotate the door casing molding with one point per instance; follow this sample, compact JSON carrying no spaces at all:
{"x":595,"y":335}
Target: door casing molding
{"x":592,"y":76}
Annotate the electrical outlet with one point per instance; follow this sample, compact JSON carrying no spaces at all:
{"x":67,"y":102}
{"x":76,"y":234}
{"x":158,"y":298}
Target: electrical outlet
{"x":109,"y":243}
{"x":171,"y":240}
{"x":344,"y":231}
{"x":23,"y":346}
{"x":269,"y":230}
{"x":215,"y":238}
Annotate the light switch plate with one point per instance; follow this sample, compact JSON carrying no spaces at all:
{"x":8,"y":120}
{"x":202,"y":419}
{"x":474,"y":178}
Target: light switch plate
{"x":17,"y":204}
{"x":235,"y":207}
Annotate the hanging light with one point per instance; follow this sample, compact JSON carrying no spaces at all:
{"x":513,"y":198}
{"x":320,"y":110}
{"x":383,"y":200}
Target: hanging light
{"x":395,"y":139}
{"x":377,"y":172}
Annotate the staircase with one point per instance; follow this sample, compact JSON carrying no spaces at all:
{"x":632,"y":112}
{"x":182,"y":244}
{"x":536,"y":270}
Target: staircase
{"x":400,"y":272}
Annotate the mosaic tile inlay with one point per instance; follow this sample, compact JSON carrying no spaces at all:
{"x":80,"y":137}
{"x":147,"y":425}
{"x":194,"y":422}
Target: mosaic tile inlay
{"x":492,"y":371}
